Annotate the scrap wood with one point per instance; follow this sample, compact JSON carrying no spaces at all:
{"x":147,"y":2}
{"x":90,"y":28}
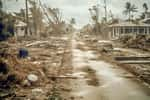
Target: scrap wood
{"x":131,"y":57}
{"x":36,"y":43}
{"x":135,"y":62}
{"x":63,"y":77}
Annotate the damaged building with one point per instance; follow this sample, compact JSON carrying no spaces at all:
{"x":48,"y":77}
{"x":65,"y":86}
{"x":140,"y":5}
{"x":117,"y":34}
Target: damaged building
{"x":130,"y":28}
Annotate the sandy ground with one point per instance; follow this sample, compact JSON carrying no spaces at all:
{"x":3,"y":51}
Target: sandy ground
{"x":71,"y":68}
{"x":100,"y":79}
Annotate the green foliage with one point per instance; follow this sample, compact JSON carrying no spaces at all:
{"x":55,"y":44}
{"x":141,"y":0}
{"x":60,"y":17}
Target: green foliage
{"x":145,"y":6}
{"x":130,"y":9}
{"x":72,"y":21}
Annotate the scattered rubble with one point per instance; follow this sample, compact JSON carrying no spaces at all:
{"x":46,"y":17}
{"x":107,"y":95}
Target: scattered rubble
{"x":29,"y":78}
{"x":139,"y":41}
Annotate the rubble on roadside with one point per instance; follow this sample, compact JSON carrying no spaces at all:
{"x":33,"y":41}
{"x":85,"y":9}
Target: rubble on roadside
{"x":28,"y":76}
{"x":139,"y":41}
{"x":126,"y":46}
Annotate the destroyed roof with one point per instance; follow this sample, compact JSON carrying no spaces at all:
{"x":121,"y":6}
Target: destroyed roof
{"x":129,"y":24}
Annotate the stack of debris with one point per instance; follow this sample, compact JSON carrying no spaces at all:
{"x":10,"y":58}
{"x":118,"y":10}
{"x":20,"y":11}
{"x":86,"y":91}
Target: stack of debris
{"x":14,"y":72}
{"x":28,"y":67}
{"x":138,"y":41}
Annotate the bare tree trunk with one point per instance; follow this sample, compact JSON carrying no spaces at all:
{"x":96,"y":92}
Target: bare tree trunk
{"x":105,"y":11}
{"x":27,"y":18}
{"x":129,"y":16}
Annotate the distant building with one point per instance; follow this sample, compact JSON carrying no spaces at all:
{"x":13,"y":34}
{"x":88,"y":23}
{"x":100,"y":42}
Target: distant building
{"x":20,"y":28}
{"x":147,"y":15}
{"x":133,"y":28}
{"x":147,"y":18}
{"x":116,"y":30}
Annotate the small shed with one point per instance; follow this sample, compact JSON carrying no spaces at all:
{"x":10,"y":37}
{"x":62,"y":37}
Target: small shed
{"x":20,"y":28}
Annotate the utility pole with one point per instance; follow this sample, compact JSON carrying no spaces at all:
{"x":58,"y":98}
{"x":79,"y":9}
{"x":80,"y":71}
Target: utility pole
{"x":105,"y":7}
{"x":27,"y":17}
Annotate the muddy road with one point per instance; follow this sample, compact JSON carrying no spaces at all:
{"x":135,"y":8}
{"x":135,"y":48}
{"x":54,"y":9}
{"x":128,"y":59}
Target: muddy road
{"x":100,"y":80}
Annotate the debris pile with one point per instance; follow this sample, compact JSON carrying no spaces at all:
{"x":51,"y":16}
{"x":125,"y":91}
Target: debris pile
{"x":26,"y":68}
{"x":128,"y":49}
{"x":140,"y":70}
{"x":139,"y":41}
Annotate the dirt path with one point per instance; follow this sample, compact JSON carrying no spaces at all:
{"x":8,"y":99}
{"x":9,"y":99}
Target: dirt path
{"x":100,"y":80}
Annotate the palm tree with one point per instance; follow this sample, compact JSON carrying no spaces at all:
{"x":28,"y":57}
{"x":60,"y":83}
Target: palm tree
{"x":133,"y":10}
{"x":145,"y":7}
{"x":37,"y":17}
{"x":94,"y":11}
{"x":130,"y":9}
{"x":0,"y":3}
{"x":72,"y":21}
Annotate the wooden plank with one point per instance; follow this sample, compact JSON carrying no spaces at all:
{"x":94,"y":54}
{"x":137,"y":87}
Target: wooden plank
{"x":63,"y":77}
{"x":135,"y":62}
{"x":132,"y":57}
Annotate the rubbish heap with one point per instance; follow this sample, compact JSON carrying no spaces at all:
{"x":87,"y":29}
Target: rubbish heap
{"x":139,"y":41}
{"x":27,"y":67}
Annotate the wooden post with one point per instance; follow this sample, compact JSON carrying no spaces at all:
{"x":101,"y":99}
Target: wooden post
{"x":132,"y":29}
{"x":147,"y":30}
{"x":138,"y":30}
{"x":144,"y":30}
{"x":123,"y":30}
{"x":118,"y":32}
{"x":27,"y":17}
{"x":115,"y":31}
{"x":105,"y":10}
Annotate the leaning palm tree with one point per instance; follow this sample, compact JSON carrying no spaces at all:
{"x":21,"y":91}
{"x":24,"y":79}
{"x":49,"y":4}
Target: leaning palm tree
{"x":72,"y":21}
{"x":127,"y":10}
{"x":133,"y":10}
{"x":145,"y":7}
{"x":130,"y":9}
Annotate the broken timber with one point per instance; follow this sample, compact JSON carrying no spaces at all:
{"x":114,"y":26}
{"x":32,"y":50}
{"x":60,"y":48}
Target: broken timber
{"x":36,"y":43}
{"x":121,"y":58}
{"x":135,"y":62}
{"x":64,"y":77}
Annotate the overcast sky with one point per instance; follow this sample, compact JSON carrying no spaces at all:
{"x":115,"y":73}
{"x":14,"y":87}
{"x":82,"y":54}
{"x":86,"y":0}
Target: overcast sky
{"x":79,"y":8}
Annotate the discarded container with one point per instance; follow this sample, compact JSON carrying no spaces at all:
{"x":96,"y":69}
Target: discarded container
{"x":23,"y":53}
{"x":32,"y":77}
